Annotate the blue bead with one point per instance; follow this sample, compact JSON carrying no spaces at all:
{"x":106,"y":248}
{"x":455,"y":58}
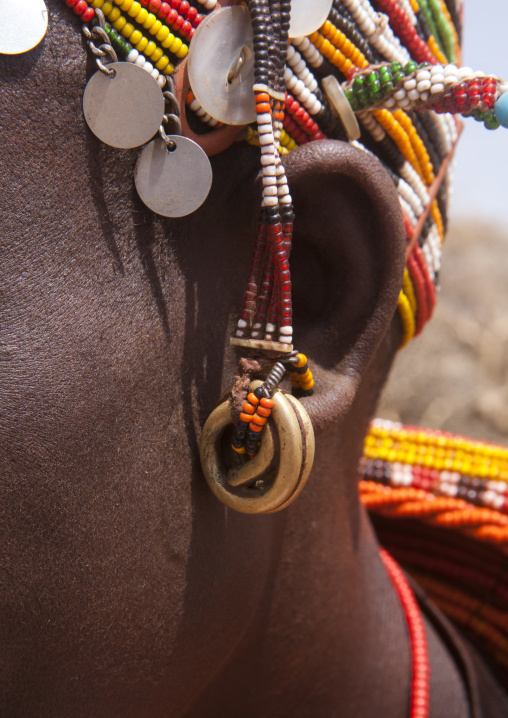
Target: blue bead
{"x":501,"y":109}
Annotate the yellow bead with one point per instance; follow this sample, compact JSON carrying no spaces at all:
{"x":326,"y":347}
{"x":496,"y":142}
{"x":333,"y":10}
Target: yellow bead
{"x":107,"y":7}
{"x":162,"y":34}
{"x":114,"y":15}
{"x":120,"y":24}
{"x":136,"y":37}
{"x":168,"y":41}
{"x":150,"y":19}
{"x":169,"y":69}
{"x":134,"y":9}
{"x":177,"y":44}
{"x":126,"y":5}
{"x":128,"y":30}
{"x":155,"y":27}
{"x":140,"y":47}
{"x":150,"y":48}
{"x":182,"y":52}
{"x":156,"y":55}
{"x":97,"y":3}
{"x":141,"y":16}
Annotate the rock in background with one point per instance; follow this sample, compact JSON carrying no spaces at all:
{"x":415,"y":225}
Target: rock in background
{"x":454,"y":376}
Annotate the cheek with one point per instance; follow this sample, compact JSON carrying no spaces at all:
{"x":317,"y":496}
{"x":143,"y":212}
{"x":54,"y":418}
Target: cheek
{"x":95,"y":466}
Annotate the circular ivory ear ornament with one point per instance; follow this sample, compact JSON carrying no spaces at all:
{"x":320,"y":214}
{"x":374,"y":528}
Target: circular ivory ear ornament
{"x":173,"y":180}
{"x":124,"y":109}
{"x":23,"y":24}
{"x":276,"y":475}
{"x":221,"y":66}
{"x":307,"y":16}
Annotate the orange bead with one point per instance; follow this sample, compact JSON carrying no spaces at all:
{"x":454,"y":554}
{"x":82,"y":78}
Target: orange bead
{"x":267,"y":403}
{"x":248,"y":408}
{"x":246,"y":417}
{"x":255,"y":427}
{"x":262,"y":411}
{"x":259,"y":420}
{"x":253,"y":398}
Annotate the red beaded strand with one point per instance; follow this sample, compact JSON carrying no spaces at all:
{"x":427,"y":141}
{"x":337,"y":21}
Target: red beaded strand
{"x":177,"y":14}
{"x":407,"y":34}
{"x":82,"y":9}
{"x":420,"y":668}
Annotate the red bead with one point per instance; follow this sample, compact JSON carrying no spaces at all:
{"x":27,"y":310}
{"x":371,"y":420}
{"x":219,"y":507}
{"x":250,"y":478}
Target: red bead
{"x":198,"y":19}
{"x":178,"y":22}
{"x":80,"y":7}
{"x":88,"y":15}
{"x":154,"y":6}
{"x":71,"y":3}
{"x":186,"y":28}
{"x":164,"y":10}
{"x":191,"y":14}
{"x":184,"y":7}
{"x":172,"y":15}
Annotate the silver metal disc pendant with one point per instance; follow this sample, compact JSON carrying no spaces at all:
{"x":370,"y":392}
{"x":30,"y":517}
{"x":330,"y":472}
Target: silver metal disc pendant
{"x":23,"y":24}
{"x":173,"y":182}
{"x":308,"y":16}
{"x":221,"y":66}
{"x":125,"y":109}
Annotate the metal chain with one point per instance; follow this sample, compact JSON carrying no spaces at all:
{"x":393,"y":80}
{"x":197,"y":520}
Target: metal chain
{"x":95,"y":35}
{"x":171,"y":124}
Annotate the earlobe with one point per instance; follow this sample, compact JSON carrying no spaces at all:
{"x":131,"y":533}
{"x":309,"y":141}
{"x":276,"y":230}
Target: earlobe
{"x":347,"y":265}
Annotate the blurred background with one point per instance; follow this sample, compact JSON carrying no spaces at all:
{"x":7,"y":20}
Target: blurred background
{"x":454,"y":376}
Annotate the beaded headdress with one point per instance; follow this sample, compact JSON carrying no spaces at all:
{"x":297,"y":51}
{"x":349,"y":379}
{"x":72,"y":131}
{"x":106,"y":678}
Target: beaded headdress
{"x":383,"y":75}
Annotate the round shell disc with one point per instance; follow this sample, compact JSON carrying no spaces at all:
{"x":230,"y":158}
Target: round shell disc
{"x":23,"y":24}
{"x":221,"y":66}
{"x":124,"y":110}
{"x":307,"y":16}
{"x":176,"y":182}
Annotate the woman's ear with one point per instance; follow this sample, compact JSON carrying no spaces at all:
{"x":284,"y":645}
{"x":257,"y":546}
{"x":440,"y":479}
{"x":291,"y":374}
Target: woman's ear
{"x":347,"y":263}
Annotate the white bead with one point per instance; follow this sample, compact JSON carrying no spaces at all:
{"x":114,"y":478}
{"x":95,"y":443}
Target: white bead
{"x":286,"y":330}
{"x":437,"y":88}
{"x":305,"y":95}
{"x":423,"y":85}
{"x":269,"y":181}
{"x":242,"y":323}
{"x":268,"y":168}
{"x":389,"y":103}
{"x":266,"y":139}
{"x":161,"y":81}
{"x":269,"y":191}
{"x":269,"y":201}
{"x":422,"y":75}
{"x":451,"y":80}
{"x":264,"y":118}
{"x":413,"y":95}
{"x":438,"y":77}
{"x":286,"y":199}
{"x":140,"y":61}
{"x":409,"y":84}
{"x":450,"y":69}
{"x":133,"y":55}
{"x":267,"y":150}
{"x":270,"y":327}
{"x":266,"y":128}
{"x":399,"y":95}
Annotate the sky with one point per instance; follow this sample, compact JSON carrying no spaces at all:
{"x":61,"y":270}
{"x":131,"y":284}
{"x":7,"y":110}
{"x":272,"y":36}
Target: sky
{"x":481,"y":186}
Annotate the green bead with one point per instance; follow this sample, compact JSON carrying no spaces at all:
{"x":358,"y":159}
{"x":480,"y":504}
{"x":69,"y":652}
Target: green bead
{"x":384,"y":74}
{"x":410,"y":67}
{"x":363,"y":97}
{"x":396,"y":66}
{"x":358,"y":83}
{"x":371,"y":78}
{"x":376,"y":97}
{"x":387,"y":86}
{"x":398,"y":77}
{"x":490,"y":121}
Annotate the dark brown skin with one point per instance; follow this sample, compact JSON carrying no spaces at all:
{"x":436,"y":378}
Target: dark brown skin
{"x":126,"y":588}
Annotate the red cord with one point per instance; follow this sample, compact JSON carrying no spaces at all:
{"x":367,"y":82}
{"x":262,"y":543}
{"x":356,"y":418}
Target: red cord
{"x":420,"y":668}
